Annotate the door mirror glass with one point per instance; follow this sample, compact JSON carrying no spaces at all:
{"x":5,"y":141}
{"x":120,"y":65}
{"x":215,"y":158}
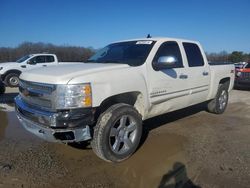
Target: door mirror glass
{"x":165,"y":62}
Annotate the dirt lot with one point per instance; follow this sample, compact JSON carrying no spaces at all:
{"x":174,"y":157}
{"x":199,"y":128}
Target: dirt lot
{"x":189,"y":146}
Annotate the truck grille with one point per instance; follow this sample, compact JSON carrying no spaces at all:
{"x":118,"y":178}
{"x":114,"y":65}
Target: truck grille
{"x":245,"y":75}
{"x":37,"y":94}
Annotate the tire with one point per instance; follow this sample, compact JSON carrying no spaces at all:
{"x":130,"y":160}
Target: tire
{"x":2,"y":89}
{"x":12,"y":80}
{"x":219,"y":104}
{"x":117,"y":133}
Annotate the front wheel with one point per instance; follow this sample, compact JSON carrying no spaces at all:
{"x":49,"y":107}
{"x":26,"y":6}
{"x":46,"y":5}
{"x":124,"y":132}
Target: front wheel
{"x":12,"y":80}
{"x":117,"y":133}
{"x":219,"y":103}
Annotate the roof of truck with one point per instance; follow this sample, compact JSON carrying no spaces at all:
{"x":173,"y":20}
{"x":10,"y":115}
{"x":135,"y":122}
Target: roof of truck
{"x":159,"y":39}
{"x":42,"y":54}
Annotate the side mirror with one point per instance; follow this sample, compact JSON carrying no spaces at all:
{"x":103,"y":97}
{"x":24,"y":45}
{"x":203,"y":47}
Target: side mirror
{"x":165,"y":62}
{"x":31,"y":62}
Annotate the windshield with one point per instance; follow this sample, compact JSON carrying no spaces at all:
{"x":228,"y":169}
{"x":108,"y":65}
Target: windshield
{"x":23,"y":58}
{"x":133,"y":53}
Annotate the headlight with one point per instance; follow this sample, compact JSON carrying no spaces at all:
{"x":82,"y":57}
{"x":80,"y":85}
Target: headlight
{"x":73,"y":96}
{"x":238,"y":74}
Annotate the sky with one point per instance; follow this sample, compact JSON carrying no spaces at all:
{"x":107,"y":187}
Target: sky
{"x":217,"y":24}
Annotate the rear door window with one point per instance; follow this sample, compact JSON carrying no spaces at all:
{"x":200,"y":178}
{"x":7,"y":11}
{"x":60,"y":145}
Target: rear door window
{"x":50,"y":59}
{"x":193,"y":54}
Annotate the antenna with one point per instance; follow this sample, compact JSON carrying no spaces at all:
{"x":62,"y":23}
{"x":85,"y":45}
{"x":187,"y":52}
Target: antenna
{"x":149,"y":36}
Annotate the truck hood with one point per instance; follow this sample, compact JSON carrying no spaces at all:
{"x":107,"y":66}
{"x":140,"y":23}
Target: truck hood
{"x":9,"y":64}
{"x":62,"y":74}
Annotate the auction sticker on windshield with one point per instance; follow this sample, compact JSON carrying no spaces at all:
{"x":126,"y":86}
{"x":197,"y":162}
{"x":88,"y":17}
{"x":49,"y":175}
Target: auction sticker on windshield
{"x":144,"y":42}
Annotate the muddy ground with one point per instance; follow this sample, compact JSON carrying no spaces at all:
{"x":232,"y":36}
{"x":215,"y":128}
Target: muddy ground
{"x":189,"y":147}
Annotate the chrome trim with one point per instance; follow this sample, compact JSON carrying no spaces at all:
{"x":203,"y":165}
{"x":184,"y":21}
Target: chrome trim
{"x":164,"y":92}
{"x":198,"y":91}
{"x":172,"y":97}
{"x":42,"y":96}
{"x":44,"y":118}
{"x":45,"y":132}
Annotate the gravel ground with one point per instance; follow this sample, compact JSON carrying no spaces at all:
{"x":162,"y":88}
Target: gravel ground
{"x":186,"y":148}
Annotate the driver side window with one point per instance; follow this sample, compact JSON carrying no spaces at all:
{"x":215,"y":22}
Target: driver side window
{"x":170,"y":48}
{"x":38,"y":59}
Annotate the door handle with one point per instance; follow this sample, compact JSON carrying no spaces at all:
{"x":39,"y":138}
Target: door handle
{"x":23,"y":66}
{"x":183,"y":76}
{"x":205,"y":73}
{"x":44,"y":65}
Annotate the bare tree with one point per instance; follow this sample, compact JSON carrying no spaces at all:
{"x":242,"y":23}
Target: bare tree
{"x":64,"y":53}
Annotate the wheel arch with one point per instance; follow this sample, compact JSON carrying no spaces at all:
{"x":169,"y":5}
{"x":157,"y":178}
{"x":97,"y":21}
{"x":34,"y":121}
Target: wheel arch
{"x":11,"y":71}
{"x":225,"y":81}
{"x":134,"y":99}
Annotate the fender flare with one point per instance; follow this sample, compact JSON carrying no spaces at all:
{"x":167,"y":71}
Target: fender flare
{"x":10,"y":71}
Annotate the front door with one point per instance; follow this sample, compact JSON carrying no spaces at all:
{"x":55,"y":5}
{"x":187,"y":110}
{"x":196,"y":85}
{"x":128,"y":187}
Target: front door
{"x":169,"y":89}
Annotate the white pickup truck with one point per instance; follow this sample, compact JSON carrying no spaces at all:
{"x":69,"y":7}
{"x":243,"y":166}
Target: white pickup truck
{"x":10,"y":71}
{"x":106,"y":98}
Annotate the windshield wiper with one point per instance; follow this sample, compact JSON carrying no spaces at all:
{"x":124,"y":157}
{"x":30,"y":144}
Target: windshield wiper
{"x":89,"y":61}
{"x":105,"y":61}
{"x":110,"y":61}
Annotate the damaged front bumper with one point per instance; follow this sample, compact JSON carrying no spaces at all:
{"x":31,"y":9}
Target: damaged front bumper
{"x":67,"y":126}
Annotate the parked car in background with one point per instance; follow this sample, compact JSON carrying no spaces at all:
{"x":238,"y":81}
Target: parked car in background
{"x":239,"y":65}
{"x":242,"y":75}
{"x":10,"y":71}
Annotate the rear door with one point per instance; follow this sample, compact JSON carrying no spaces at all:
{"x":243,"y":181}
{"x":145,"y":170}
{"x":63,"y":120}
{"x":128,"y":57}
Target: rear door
{"x":49,"y":60}
{"x":198,"y":71}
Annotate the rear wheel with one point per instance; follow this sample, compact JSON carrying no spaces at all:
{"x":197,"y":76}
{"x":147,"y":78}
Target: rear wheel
{"x":219,"y":103}
{"x":12,"y":79}
{"x":117,"y":133}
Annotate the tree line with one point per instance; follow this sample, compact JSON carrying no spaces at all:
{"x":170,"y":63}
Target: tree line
{"x":75,"y":53}
{"x":64,"y":53}
{"x":234,"y":57}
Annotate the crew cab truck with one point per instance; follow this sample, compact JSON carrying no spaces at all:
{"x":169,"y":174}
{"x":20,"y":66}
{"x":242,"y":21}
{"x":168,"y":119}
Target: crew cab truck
{"x":10,"y":71}
{"x":106,"y":99}
{"x":242,"y":75}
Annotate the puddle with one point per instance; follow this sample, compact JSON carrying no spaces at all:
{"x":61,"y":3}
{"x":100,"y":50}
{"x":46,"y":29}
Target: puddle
{"x":3,"y":124}
{"x":154,"y":160}
{"x":7,"y":107}
{"x":11,"y":129}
